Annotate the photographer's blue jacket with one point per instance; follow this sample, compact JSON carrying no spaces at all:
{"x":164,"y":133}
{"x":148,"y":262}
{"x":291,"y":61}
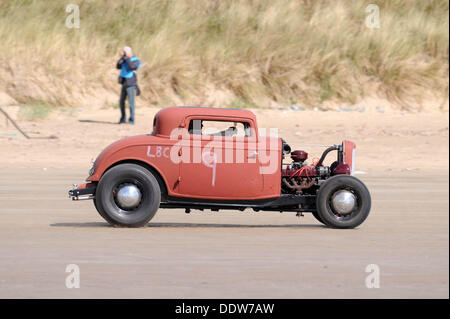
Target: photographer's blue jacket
{"x":127,"y":66}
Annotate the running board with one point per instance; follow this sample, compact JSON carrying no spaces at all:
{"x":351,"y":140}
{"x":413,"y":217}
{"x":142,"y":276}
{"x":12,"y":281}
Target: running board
{"x":286,"y":202}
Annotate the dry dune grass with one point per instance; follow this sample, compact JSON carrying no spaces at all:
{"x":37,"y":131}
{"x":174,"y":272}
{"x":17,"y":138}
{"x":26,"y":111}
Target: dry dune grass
{"x":258,"y":53}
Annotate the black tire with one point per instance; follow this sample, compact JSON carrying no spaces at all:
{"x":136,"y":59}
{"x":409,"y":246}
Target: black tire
{"x":326,"y":210}
{"x":97,"y":208}
{"x":106,"y":202}
{"x":316,"y":216}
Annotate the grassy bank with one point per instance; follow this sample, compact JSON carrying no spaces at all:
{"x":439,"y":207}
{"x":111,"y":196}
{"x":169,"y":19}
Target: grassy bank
{"x":242,"y":53}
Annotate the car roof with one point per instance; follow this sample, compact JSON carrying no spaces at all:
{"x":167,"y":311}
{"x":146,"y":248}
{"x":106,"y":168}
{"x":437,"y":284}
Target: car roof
{"x":171,"y":117}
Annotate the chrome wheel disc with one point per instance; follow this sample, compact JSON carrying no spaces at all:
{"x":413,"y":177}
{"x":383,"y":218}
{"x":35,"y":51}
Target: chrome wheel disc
{"x":343,"y":202}
{"x":128,"y":196}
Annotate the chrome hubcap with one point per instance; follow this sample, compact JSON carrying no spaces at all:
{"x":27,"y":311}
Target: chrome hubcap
{"x":343,"y":202}
{"x":128,"y":196}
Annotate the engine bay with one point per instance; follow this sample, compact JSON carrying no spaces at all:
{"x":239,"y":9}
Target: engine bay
{"x":299,"y":177}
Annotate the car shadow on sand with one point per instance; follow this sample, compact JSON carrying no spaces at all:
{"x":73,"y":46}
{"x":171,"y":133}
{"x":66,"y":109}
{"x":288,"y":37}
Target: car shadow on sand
{"x":97,"y":122}
{"x":192,"y":225}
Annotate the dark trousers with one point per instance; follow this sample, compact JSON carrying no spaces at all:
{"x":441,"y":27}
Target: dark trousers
{"x":129,"y":92}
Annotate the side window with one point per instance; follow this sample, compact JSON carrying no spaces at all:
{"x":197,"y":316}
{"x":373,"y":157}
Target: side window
{"x":219,"y":128}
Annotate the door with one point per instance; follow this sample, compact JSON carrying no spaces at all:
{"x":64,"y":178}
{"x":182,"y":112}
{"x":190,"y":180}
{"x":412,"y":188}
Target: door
{"x":223,"y":160}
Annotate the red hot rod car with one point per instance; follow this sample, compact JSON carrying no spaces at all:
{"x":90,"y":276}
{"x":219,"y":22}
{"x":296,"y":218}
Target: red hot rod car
{"x":211,"y":158}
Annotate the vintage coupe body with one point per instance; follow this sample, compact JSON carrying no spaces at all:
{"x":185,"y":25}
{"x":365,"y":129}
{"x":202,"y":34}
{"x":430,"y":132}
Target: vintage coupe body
{"x":216,"y":158}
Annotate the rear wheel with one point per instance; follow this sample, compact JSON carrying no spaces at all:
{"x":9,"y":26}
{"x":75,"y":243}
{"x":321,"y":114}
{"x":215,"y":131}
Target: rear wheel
{"x":316,"y":216}
{"x":128,"y":195}
{"x":343,"y":202}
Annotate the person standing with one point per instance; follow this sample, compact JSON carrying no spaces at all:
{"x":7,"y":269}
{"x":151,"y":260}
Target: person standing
{"x":128,"y":64}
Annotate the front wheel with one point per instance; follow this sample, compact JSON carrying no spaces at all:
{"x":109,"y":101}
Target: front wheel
{"x":127,"y":195}
{"x":343,"y":202}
